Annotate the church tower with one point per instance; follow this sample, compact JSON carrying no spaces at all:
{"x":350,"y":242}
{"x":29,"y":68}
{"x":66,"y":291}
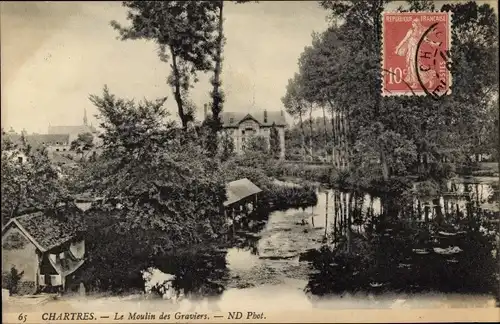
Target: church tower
{"x":85,"y":121}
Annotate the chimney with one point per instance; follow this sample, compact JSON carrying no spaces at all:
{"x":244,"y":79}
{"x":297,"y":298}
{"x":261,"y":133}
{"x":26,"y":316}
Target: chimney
{"x":265,"y":116}
{"x":281,"y":112}
{"x":205,"y":107}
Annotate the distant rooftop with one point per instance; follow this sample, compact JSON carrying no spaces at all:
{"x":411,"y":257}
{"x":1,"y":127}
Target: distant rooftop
{"x":264,"y":118}
{"x":71,"y":130}
{"x":38,"y":140}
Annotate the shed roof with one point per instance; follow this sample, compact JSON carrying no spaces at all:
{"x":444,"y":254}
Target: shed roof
{"x":43,"y":230}
{"x":240,"y":189}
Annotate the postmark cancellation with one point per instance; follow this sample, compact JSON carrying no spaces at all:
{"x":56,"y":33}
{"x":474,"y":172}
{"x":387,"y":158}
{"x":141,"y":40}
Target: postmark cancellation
{"x":416,"y":54}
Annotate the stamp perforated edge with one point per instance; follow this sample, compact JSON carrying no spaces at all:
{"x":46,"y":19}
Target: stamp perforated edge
{"x":408,"y":93}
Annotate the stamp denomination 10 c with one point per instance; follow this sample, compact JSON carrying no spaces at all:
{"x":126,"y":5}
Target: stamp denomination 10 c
{"x":416,"y":53}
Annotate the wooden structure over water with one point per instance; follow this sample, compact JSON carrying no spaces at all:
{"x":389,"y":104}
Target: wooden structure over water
{"x":242,"y":198}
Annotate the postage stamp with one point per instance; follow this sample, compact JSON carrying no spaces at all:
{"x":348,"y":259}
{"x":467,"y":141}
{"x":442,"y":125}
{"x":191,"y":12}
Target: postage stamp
{"x":416,"y":53}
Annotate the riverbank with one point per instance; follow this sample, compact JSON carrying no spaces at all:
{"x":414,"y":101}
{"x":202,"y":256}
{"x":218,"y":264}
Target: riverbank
{"x":266,"y":273}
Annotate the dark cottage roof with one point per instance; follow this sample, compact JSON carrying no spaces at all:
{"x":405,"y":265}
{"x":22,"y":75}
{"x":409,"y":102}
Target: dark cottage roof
{"x":240,"y":189}
{"x":44,"y":231}
{"x":233,"y":119}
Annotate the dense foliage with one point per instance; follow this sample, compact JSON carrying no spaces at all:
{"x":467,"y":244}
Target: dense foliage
{"x":159,"y":190}
{"x":29,"y":180}
{"x":83,"y":144}
{"x":398,"y":136}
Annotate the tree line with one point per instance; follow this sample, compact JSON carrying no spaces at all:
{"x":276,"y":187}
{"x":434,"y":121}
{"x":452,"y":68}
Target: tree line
{"x":339,"y":76}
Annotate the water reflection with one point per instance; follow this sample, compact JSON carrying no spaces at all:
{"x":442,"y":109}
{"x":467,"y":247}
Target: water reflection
{"x":279,"y":251}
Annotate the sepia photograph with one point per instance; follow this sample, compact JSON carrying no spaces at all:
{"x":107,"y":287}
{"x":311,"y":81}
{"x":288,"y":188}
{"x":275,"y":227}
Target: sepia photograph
{"x":250,"y":161}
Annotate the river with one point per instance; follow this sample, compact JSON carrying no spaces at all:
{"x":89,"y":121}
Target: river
{"x":266,"y":272}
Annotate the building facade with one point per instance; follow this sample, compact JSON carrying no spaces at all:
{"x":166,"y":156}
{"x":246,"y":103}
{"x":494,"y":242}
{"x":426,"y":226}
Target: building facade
{"x":45,"y":250}
{"x":72,"y":132}
{"x":242,"y":126}
{"x":57,"y":141}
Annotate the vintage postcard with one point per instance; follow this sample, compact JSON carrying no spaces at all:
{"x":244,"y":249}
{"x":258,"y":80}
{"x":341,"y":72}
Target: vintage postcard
{"x":250,"y":161}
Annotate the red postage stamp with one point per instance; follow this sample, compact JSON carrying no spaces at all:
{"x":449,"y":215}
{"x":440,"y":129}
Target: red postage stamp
{"x":416,"y":53}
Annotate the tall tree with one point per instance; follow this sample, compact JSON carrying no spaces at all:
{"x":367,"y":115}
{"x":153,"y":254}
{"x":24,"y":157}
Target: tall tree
{"x":226,"y":149}
{"x":274,"y":141}
{"x":427,"y":132}
{"x":160,"y":191}
{"x":295,"y":104}
{"x":185,"y":34}
{"x":217,"y":94}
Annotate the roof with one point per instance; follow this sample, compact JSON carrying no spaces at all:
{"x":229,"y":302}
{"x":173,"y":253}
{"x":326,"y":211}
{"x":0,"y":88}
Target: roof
{"x":240,"y":189}
{"x":43,"y":230}
{"x":73,"y":130}
{"x":233,"y":119}
{"x":37,"y":140}
{"x":59,"y":138}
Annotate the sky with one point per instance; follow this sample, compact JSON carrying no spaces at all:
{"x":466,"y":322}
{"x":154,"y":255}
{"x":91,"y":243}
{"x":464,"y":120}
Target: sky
{"x":55,"y":54}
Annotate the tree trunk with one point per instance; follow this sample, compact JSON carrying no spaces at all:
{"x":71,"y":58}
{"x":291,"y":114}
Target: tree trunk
{"x":349,"y":222}
{"x":335,"y":214}
{"x":216,"y":95}
{"x":340,"y":140}
{"x":177,"y":89}
{"x":326,"y":212}
{"x":334,"y":135}
{"x":385,"y":168}
{"x":311,"y":132}
{"x":303,"y":137}
{"x":346,"y":138}
{"x":326,"y":131}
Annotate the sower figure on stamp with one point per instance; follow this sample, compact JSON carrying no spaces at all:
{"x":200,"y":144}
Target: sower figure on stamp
{"x":408,"y":47}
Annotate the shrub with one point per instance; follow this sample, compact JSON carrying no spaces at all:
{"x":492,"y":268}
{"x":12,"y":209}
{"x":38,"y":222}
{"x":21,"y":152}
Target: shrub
{"x":10,"y":280}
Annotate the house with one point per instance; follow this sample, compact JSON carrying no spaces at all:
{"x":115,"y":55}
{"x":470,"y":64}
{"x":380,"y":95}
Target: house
{"x":45,"y":247}
{"x":58,"y":141}
{"x":241,"y":126}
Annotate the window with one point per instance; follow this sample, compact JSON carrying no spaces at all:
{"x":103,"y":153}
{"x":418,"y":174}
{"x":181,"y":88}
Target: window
{"x":64,"y":150}
{"x":231,"y":120}
{"x":243,"y":132}
{"x":20,"y":159}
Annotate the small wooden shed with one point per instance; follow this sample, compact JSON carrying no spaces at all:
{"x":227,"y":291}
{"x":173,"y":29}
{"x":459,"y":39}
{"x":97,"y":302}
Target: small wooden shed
{"x":44,"y":248}
{"x":241,"y":194}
